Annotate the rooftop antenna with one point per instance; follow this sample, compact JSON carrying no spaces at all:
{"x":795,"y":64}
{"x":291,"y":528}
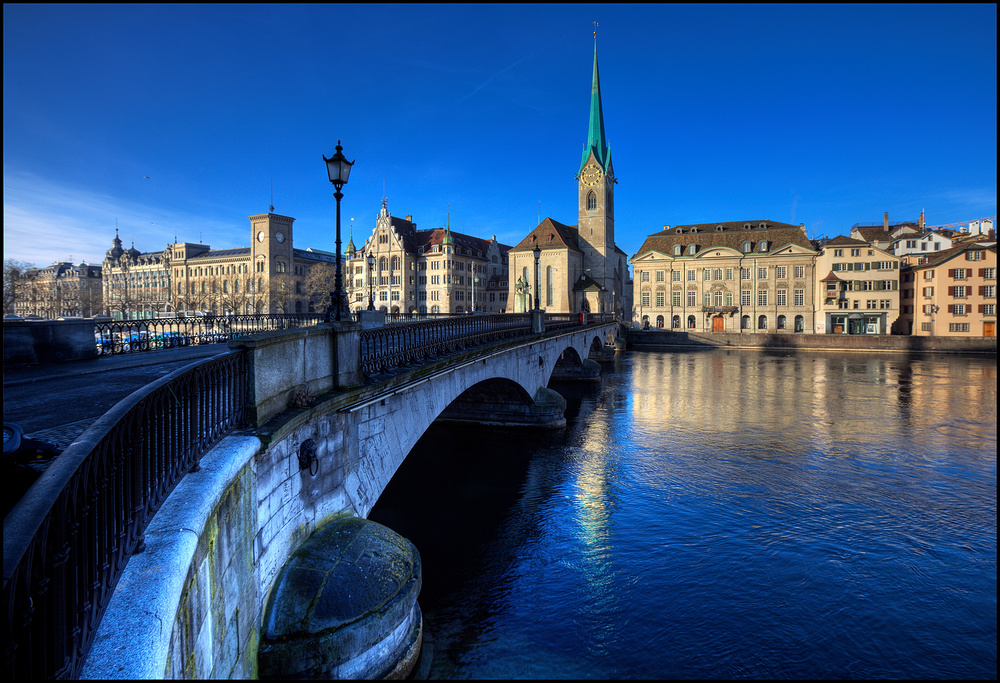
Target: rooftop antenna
{"x":272,"y":195}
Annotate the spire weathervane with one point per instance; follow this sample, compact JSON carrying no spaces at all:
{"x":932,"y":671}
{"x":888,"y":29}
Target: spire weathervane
{"x":595,"y":31}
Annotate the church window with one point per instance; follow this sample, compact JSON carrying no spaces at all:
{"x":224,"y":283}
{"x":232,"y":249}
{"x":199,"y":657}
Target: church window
{"x":591,"y":201}
{"x":548,"y":286}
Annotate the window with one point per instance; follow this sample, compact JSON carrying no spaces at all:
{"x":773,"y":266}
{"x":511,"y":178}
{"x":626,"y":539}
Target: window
{"x":989,"y":309}
{"x":718,"y":273}
{"x":799,"y":297}
{"x":762,"y":297}
{"x":958,"y":292}
{"x":745,"y":322}
{"x":973,"y":256}
{"x":800,"y":272}
{"x":744,"y":273}
{"x":855,"y":252}
{"x":675,"y":275}
{"x":745,"y":297}
{"x":747,"y":247}
{"x":958,"y":327}
{"x":677,"y":250}
{"x":692,"y":249}
{"x":591,"y":201}
{"x":762,"y":273}
{"x":989,"y":291}
{"x":957,"y":309}
{"x":708,"y":274}
{"x":781,"y":322}
{"x":645,"y":299}
{"x":692,"y":298}
{"x":644,"y":276}
{"x":659,"y":299}
{"x":690,"y":322}
{"x":762,"y":246}
{"x":659,"y":276}
{"x":959,"y":273}
{"x":781,"y":297}
{"x":708,"y":298}
{"x":675,"y":298}
{"x":989,"y":273}
{"x":718,"y":298}
{"x":838,"y":252}
{"x":548,"y":285}
{"x":729,"y":273}
{"x":692,"y":275}
{"x":781,"y":272}
{"x":762,"y":322}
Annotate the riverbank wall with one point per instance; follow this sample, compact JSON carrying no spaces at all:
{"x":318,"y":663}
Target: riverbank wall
{"x":658,"y":339}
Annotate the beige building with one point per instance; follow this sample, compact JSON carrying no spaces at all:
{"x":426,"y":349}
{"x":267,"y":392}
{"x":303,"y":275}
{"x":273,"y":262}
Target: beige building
{"x":858,"y":290}
{"x":59,"y":290}
{"x":580,"y":268}
{"x":270,"y":276}
{"x":738,"y":276}
{"x":951,"y":293}
{"x":425,"y":271}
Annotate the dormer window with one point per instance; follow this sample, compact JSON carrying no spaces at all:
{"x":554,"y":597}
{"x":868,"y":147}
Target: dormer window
{"x":677,"y":250}
{"x":692,"y":249}
{"x":762,"y":246}
{"x":746,"y":226}
{"x":747,"y":246}
{"x":718,"y":228}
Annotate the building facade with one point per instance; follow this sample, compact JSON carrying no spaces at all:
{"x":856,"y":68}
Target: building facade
{"x":858,"y":290}
{"x":738,"y":276}
{"x":270,"y":276}
{"x":60,"y":290}
{"x":425,"y":271}
{"x":951,"y":293}
{"x":579,"y":267}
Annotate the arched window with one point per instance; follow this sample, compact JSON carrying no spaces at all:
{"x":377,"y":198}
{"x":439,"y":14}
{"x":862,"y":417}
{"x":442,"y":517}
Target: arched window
{"x":591,"y":201}
{"x":691,"y":322}
{"x":225,"y":286}
{"x":395,"y":263}
{"x":659,"y":321}
{"x":548,"y":285}
{"x":762,"y":322}
{"x":762,"y":246}
{"x":383,"y":264}
{"x":747,"y":247}
{"x":435,"y":309}
{"x":678,"y":250}
{"x":781,"y":322}
{"x":799,"y":323}
{"x":745,"y":322}
{"x":692,"y":249}
{"x":676,"y":322}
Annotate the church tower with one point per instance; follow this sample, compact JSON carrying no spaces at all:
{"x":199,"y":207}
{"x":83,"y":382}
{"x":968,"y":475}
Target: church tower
{"x":270,"y":252}
{"x":596,"y":184}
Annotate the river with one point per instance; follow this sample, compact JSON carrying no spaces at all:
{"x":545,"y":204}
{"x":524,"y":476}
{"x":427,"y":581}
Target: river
{"x":718,"y":514}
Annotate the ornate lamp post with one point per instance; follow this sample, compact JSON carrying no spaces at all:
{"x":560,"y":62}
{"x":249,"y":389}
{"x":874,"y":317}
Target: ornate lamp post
{"x":538,"y":253}
{"x":371,"y":281}
{"x":475,"y":279}
{"x":339,"y":169}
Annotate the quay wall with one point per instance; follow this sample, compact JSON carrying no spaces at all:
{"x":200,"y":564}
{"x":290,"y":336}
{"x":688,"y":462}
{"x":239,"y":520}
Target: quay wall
{"x":642,"y":339}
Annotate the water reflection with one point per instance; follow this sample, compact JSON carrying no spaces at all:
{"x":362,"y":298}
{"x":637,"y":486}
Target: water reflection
{"x":720,"y":514}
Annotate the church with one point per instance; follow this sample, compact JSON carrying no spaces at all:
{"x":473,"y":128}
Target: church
{"x":580,"y":268}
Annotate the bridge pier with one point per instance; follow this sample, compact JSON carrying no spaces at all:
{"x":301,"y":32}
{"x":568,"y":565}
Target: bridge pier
{"x":481,"y":406}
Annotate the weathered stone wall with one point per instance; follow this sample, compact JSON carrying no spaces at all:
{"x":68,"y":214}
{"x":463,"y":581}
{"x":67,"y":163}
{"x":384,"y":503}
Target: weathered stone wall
{"x":899,"y":343}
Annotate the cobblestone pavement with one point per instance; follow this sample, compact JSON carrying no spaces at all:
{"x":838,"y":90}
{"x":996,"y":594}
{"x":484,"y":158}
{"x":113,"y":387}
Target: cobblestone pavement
{"x":63,"y":435}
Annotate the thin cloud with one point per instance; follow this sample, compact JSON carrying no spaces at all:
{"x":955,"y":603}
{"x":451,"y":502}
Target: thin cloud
{"x":46,"y":222}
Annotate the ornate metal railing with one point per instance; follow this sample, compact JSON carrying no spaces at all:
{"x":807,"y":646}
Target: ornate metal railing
{"x":127,"y":336}
{"x":386,"y":348}
{"x":67,"y":541}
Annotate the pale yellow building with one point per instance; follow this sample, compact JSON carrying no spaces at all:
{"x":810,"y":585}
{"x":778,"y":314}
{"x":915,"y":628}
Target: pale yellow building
{"x":737,"y":276}
{"x":858,"y":290}
{"x":425,"y":271}
{"x":951,"y":293}
{"x":60,"y":290}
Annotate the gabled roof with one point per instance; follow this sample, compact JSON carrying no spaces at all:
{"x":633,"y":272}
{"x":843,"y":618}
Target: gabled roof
{"x":842,"y":241}
{"x":831,"y":278}
{"x":874,"y":234}
{"x":728,"y":234}
{"x":551,"y":234}
{"x":936,"y":258}
{"x":587,"y":283}
{"x":429,"y":238}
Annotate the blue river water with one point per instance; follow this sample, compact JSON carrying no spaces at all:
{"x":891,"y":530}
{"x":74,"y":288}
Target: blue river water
{"x":718,"y":514}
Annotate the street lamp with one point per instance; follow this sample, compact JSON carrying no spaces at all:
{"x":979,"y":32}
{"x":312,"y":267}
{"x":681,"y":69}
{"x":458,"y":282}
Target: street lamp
{"x":371,"y":281}
{"x":475,"y":279}
{"x":538,"y":286}
{"x":339,"y":169}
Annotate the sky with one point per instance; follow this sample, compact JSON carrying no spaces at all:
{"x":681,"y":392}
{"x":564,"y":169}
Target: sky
{"x":179,"y":121}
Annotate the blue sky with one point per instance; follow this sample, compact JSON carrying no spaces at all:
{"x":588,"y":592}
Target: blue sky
{"x":825,"y":115}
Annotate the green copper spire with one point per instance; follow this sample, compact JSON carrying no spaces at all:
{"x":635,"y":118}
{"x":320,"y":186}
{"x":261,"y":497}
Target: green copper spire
{"x":595,"y":133}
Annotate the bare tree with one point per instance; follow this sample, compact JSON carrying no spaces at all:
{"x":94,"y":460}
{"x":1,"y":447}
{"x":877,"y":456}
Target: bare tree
{"x":319,"y":283}
{"x":282,"y":291}
{"x":16,"y":283}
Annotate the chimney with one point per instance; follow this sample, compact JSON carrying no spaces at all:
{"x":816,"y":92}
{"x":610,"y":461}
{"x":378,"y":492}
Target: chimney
{"x":409,"y":218}
{"x":885,"y":221}
{"x":666,"y":227}
{"x":920,"y":221}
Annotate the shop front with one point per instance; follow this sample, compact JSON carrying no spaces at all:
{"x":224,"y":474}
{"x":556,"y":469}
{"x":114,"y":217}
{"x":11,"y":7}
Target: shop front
{"x":856,"y":323}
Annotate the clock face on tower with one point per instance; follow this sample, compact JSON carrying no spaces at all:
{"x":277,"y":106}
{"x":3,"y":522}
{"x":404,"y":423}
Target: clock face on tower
{"x":280,"y":237}
{"x":591,"y":175}
{"x":260,"y":236}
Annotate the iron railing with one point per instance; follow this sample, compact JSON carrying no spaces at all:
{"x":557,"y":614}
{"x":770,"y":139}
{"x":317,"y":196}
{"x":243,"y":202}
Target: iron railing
{"x":386,"y":348}
{"x":127,"y":336}
{"x":67,"y":541}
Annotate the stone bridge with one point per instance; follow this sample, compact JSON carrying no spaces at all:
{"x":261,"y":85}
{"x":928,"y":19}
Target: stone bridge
{"x":193,"y":603}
